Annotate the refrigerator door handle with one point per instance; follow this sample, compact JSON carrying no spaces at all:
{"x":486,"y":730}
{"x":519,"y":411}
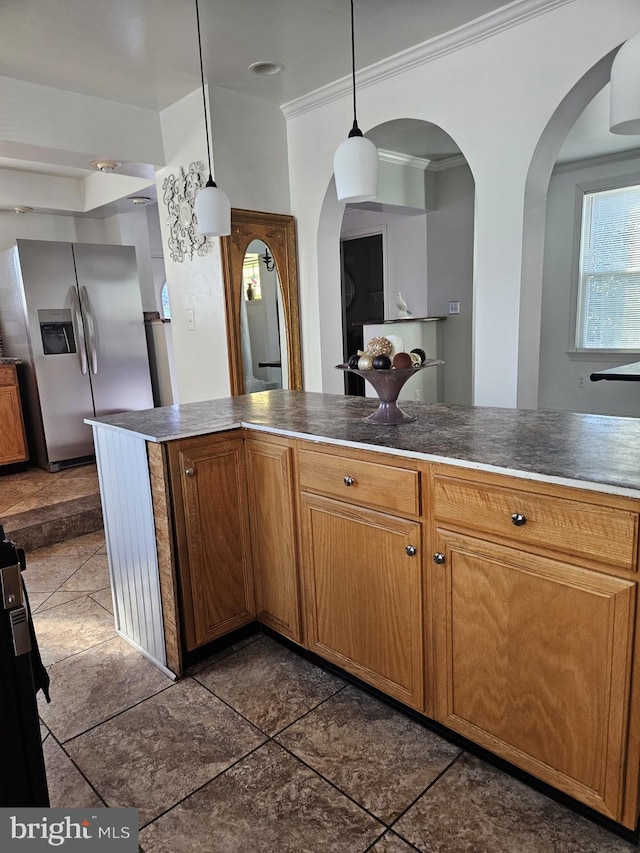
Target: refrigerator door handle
{"x":91,"y":328}
{"x":78,"y":329}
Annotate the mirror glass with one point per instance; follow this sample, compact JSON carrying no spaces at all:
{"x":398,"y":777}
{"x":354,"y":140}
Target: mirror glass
{"x":264,"y":338}
{"x":261,"y":301}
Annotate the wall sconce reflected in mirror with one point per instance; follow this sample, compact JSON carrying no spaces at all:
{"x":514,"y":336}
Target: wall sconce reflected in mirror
{"x":269,"y":263}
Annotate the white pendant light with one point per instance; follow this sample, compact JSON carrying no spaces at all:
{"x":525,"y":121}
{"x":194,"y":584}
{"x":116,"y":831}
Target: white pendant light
{"x":212,"y":206}
{"x":625,"y":89}
{"x":355,"y":164}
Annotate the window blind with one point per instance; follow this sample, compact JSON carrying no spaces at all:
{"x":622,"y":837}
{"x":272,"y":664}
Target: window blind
{"x":609,"y":287}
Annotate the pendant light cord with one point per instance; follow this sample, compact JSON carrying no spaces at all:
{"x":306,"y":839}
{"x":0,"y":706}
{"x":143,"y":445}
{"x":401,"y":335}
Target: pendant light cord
{"x":210,"y":182}
{"x":355,"y":130}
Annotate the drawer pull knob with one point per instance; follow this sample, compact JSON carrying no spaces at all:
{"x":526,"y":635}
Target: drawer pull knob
{"x":438,"y":558}
{"x":518,"y":519}
{"x":189,"y":472}
{"x":349,"y":481}
{"x":411,"y":550}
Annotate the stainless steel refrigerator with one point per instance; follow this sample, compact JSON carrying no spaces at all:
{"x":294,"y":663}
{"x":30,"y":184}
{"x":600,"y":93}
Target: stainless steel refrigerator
{"x":73,"y":313}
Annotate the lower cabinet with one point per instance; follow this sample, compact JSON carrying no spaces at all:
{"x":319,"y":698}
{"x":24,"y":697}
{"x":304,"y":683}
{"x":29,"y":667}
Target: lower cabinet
{"x":209,"y":493}
{"x":533,"y":663}
{"x":363,"y":585}
{"x":273,"y":534}
{"x":13,"y":443}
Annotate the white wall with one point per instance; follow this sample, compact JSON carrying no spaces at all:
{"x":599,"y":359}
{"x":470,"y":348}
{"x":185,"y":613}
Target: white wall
{"x":494,"y":96}
{"x":250,"y":151}
{"x":450,"y":277}
{"x":560,"y":368}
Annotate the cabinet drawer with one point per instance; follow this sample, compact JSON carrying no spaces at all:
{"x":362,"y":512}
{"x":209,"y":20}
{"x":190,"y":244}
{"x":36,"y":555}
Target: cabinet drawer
{"x":7,"y":374}
{"x":371,"y":484}
{"x":602,"y":533}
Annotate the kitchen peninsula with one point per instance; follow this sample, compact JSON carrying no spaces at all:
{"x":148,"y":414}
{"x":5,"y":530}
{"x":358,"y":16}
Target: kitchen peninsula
{"x":479,"y":565}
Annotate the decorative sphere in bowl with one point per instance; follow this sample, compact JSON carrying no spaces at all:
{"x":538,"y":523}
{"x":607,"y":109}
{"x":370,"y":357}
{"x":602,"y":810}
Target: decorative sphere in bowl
{"x":402,"y":360}
{"x":381,"y":362}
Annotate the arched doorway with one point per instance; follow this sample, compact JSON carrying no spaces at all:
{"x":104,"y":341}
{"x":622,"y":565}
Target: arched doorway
{"x":424,"y":217}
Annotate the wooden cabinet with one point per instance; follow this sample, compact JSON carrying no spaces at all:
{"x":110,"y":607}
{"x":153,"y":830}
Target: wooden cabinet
{"x":363,"y":572}
{"x":274,"y":533}
{"x":533,"y":646}
{"x":212,"y":532}
{"x":13,"y":442}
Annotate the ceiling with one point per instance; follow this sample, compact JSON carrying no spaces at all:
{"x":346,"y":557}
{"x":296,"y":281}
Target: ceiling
{"x":144,"y":53}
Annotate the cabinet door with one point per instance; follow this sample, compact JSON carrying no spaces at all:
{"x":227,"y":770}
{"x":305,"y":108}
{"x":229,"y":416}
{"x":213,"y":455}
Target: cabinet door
{"x":364,"y":594}
{"x":13,"y":447}
{"x":273,"y":534}
{"x":533,"y":662}
{"x":212,"y":526}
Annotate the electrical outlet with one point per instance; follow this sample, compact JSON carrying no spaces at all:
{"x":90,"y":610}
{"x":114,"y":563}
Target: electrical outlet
{"x":454,"y":307}
{"x":582,"y":381}
{"x":417,"y":394}
{"x":191,"y":319}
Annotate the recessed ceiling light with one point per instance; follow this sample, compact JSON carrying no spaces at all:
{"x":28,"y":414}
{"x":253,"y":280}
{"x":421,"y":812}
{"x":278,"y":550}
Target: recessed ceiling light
{"x":105,"y":165}
{"x":266,"y":68}
{"x":139,"y":199}
{"x":19,"y":208}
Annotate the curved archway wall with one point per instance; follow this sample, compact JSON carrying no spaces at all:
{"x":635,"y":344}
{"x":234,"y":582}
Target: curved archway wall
{"x":495,"y":96}
{"x":535,"y":240}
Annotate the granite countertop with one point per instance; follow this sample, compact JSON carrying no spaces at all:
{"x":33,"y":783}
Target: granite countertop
{"x":7,"y":360}
{"x":591,"y":451}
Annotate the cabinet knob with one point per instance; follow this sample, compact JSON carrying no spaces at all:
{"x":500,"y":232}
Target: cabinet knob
{"x":438,"y":558}
{"x":189,"y":472}
{"x":411,"y":550}
{"x":518,"y":519}
{"x":349,"y":481}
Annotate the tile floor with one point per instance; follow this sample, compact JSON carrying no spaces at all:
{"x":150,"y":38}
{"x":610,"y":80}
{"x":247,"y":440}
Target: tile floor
{"x":257,"y":750}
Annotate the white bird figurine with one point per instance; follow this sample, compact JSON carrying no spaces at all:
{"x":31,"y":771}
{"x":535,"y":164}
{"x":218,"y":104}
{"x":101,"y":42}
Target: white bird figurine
{"x":403,"y":309}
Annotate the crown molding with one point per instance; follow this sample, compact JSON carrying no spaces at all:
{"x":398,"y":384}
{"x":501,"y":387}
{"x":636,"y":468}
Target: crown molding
{"x":600,"y":160}
{"x":486,"y":26}
{"x":448,"y":163}
{"x":399,"y":159}
{"x":422,"y":163}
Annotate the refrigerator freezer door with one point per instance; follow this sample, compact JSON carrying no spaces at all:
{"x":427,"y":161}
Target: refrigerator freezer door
{"x":64,"y":394}
{"x":114,"y":326}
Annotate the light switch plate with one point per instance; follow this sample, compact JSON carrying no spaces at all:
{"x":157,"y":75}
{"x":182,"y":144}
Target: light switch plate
{"x":191,"y":319}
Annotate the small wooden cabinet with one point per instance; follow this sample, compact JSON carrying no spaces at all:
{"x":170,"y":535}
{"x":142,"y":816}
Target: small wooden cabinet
{"x":13,"y":442}
{"x":274,"y":533}
{"x":532,"y":651}
{"x":211,"y":514}
{"x":363,"y":570}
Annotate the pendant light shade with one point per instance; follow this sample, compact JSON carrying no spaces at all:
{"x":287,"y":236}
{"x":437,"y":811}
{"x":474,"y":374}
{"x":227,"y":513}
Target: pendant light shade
{"x":355,"y":163}
{"x":213,"y":211}
{"x":355,"y":166}
{"x":212,"y":206}
{"x":625,"y":89}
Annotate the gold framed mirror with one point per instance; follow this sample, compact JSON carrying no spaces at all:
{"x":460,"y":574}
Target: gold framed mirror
{"x":261,"y":300}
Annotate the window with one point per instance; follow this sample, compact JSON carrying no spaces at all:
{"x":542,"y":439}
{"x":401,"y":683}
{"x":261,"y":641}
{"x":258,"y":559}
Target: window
{"x":166,"y":306}
{"x":608,"y":315}
{"x":251,"y":277}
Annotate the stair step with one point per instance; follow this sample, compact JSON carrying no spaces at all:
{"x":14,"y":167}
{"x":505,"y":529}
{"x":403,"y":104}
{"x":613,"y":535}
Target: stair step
{"x":47,"y":525}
